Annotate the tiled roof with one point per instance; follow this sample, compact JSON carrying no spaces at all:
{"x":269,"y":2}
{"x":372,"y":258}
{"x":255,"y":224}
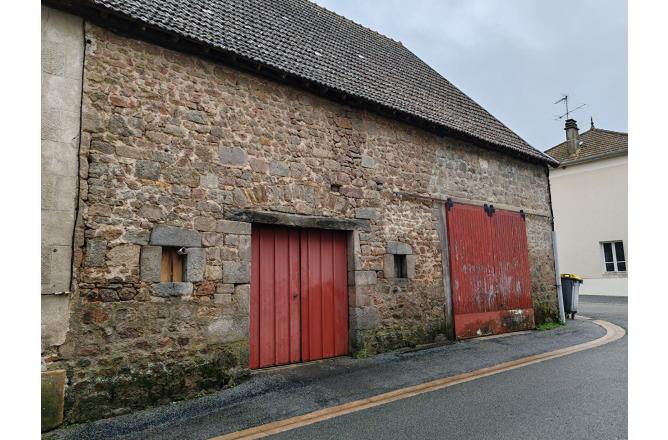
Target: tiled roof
{"x":595,"y":143}
{"x":303,"y":39}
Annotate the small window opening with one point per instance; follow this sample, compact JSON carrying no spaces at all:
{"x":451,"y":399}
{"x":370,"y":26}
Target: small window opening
{"x":172,"y":265}
{"x":400,"y":266}
{"x":335,"y":187}
{"x":613,"y":256}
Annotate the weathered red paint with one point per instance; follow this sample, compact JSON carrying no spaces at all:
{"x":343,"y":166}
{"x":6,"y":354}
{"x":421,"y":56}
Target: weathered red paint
{"x":489,"y":271}
{"x":299,"y":298}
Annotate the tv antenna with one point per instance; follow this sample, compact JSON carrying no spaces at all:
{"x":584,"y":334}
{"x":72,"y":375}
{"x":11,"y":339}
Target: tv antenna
{"x":564,"y":99}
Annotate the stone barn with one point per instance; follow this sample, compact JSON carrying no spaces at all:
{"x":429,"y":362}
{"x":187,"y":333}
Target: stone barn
{"x":231,"y":185}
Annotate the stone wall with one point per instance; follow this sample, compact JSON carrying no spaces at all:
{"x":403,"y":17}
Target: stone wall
{"x":172,"y":139}
{"x":62,"y":66}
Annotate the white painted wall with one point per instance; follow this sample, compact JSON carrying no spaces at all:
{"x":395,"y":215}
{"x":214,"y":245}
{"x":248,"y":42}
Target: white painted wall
{"x":590,"y":203}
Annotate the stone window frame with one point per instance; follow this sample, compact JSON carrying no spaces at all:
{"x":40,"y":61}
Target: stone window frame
{"x":394,"y":248}
{"x":151,"y":260}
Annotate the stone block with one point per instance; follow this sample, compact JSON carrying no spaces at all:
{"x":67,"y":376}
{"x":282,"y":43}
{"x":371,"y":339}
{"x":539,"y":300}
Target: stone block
{"x":61,"y":268}
{"x":278,"y":168}
{"x":213,"y":272}
{"x":365,"y":318}
{"x":95,"y":253}
{"x":172,"y":289}
{"x":367,"y":213}
{"x":222,"y":298}
{"x":396,"y":247}
{"x":368,"y":162}
{"x":146,"y":169}
{"x":196,"y":117}
{"x":410,"y":266}
{"x":126,"y":126}
{"x":151,"y":263}
{"x":233,"y":156}
{"x":225,"y":288}
{"x":236,"y":272}
{"x":195,"y":264}
{"x":359,"y":296}
{"x":164,"y":235}
{"x":59,"y":125}
{"x":244,"y":247}
{"x":124,"y":255}
{"x":388,"y":266}
{"x":209,"y":181}
{"x":363,"y":277}
{"x":55,"y":319}
{"x":234,"y":227}
{"x":212,"y":239}
{"x":57,"y":226}
{"x":228,"y":329}
{"x":259,"y":165}
{"x":242,"y":298}
{"x":137,"y":236}
{"x":207,"y":224}
{"x":59,"y":159}
{"x":53,"y":398}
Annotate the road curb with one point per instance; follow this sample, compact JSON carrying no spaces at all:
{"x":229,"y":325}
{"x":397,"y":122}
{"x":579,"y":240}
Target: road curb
{"x":613,"y":333}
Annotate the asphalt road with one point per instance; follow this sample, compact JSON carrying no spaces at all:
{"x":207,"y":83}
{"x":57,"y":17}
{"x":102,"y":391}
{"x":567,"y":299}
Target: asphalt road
{"x":580,"y":396}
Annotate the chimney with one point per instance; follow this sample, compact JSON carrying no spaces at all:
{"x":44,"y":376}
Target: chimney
{"x":572,"y":136}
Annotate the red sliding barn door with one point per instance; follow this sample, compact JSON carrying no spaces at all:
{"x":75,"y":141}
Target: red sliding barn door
{"x":299,"y":295}
{"x":489,"y":271}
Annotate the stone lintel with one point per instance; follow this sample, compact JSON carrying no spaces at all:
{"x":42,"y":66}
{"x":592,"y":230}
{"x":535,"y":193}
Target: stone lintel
{"x":164,"y":235}
{"x":302,"y":221}
{"x":398,"y":248}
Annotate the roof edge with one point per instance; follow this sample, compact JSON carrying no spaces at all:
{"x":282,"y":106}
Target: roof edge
{"x":608,"y":155}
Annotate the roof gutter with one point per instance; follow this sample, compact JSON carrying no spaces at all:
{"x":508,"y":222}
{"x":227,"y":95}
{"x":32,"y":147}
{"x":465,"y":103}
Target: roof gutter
{"x":124,"y":25}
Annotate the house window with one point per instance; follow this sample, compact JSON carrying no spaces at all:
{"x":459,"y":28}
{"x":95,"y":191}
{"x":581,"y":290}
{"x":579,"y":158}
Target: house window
{"x":172,"y":265}
{"x":614,"y":259}
{"x":400,"y":266}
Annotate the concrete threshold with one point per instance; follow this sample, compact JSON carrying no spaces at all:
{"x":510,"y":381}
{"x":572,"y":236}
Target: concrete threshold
{"x":613,"y":333}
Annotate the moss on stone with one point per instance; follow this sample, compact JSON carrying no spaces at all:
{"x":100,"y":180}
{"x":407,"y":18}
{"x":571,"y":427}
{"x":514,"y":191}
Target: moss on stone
{"x":53,"y":387}
{"x":161,"y":383}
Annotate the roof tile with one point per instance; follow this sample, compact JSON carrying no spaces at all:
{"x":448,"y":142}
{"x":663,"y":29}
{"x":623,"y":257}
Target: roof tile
{"x":596,"y":142}
{"x":301,"y":38}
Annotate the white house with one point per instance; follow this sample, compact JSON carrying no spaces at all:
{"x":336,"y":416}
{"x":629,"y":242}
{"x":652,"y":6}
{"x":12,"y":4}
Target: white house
{"x":590,"y":203}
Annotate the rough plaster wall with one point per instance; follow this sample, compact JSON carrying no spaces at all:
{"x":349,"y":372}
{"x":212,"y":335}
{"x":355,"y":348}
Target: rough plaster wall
{"x":62,"y":60}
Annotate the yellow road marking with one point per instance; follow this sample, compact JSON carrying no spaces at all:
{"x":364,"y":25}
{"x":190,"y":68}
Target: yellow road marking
{"x":613,"y":333}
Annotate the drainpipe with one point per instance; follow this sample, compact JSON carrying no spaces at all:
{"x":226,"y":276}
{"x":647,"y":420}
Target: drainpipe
{"x":560,"y":296}
{"x":555,"y":253}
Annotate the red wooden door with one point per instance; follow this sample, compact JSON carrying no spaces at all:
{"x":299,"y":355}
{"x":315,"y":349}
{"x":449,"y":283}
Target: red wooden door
{"x":274,"y":303}
{"x":299,"y":295}
{"x":324,"y":294}
{"x":489,"y":271}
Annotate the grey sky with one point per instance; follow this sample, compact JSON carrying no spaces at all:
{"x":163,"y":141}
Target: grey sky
{"x":516,"y":57}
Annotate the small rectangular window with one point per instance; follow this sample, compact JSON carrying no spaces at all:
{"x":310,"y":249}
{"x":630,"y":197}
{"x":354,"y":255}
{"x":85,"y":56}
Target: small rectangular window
{"x":400,"y":266}
{"x":172,"y":266}
{"x":614,"y":259}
